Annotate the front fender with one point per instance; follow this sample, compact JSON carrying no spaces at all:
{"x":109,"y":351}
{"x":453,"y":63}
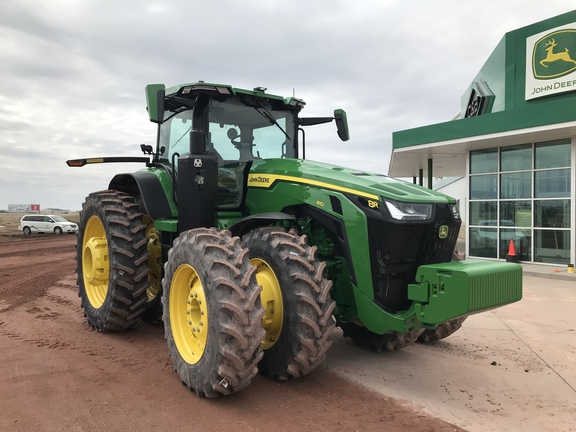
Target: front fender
{"x":248,"y":223}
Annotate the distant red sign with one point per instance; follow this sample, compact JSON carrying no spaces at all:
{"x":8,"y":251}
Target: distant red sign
{"x":23,"y":208}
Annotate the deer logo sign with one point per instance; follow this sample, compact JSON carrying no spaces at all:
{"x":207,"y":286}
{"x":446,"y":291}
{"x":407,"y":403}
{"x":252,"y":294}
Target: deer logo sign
{"x":551,"y":56}
{"x":554,"y":55}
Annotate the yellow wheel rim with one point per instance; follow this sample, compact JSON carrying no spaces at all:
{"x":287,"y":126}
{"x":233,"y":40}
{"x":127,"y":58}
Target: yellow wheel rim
{"x":95,"y":262}
{"x":271,"y":298}
{"x":188,"y":314}
{"x":155,"y":259}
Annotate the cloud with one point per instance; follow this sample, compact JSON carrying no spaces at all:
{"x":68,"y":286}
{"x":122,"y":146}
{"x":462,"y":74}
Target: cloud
{"x":73,"y":74}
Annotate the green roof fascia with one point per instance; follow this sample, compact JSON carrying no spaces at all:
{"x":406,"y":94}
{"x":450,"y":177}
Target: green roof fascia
{"x":554,"y":111}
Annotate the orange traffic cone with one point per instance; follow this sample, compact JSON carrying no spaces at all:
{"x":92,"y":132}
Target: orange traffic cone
{"x":511,"y":257}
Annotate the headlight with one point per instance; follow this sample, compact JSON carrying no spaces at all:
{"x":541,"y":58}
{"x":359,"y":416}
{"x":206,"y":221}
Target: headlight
{"x":409,"y":211}
{"x":455,"y":211}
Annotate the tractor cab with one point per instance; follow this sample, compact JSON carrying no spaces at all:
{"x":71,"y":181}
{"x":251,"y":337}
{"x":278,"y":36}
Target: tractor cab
{"x":234,"y":130}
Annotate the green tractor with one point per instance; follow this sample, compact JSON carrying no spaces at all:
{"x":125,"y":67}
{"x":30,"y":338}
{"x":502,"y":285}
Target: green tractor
{"x":252,"y":255}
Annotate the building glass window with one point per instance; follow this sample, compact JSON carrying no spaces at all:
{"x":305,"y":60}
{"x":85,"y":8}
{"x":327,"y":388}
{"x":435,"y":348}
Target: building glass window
{"x":483,"y":242}
{"x":552,"y":213}
{"x":552,"y":246}
{"x":516,"y":158}
{"x":484,"y":187}
{"x":483,"y":213}
{"x":516,"y":185}
{"x":522,"y":194}
{"x":484,"y":161}
{"x":515,"y":213}
{"x":552,"y":154}
{"x":552,"y":183}
{"x":522,"y":239}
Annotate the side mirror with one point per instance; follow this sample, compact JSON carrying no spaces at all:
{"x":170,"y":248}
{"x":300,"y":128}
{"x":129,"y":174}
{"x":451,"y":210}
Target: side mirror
{"x":155,"y":102}
{"x":342,"y":124}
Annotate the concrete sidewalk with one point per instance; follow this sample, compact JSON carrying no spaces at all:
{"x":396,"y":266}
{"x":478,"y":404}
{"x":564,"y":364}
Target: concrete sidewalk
{"x":552,"y":272}
{"x":509,"y":369}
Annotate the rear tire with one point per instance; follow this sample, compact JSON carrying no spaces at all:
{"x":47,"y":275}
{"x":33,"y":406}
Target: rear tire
{"x":442,"y":331}
{"x":112,"y":261}
{"x":296,"y":297}
{"x":389,"y":341}
{"x":27,"y":231}
{"x":212,"y":314}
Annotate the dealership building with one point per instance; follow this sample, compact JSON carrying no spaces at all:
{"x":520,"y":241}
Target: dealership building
{"x":513,"y":145}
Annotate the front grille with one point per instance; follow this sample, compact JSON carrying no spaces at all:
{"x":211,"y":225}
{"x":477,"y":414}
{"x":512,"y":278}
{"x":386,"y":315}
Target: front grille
{"x":397,"y":250}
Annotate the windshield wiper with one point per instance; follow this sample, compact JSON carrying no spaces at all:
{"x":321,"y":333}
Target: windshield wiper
{"x":268,"y":116}
{"x":183,"y":135}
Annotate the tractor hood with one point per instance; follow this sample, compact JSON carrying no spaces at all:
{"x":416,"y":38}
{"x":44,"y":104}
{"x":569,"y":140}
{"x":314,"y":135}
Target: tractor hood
{"x":264,"y":173}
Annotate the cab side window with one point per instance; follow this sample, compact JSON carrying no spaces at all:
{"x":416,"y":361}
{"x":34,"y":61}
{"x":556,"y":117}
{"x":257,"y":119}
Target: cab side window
{"x":175,"y":134}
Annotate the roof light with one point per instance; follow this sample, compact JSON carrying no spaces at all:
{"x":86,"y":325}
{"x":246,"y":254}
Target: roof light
{"x":189,"y":89}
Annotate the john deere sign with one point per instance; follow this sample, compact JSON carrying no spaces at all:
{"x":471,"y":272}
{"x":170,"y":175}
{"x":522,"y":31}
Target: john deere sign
{"x":551,"y":62}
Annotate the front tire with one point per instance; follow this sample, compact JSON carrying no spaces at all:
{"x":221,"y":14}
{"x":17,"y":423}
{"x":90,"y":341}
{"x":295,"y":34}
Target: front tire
{"x":57,"y":230}
{"x":296,"y":296}
{"x":112,"y":260}
{"x":212,"y":314}
{"x":390,"y":341}
{"x":442,"y":331}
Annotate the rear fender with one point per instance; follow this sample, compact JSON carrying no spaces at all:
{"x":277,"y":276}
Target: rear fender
{"x":147,"y":187}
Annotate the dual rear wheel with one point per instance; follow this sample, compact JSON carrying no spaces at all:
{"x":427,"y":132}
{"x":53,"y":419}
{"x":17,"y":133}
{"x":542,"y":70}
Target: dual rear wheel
{"x":296,"y":299}
{"x":231,"y":309}
{"x":112,"y":260}
{"x":212,"y":313}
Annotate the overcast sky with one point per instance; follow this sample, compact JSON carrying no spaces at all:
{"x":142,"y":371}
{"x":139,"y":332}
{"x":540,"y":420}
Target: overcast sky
{"x":72,"y":73}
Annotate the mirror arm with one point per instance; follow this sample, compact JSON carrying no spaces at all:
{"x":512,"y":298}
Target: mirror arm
{"x":311,"y":121}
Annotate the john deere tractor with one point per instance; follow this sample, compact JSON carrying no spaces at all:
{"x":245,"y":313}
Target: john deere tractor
{"x":252,"y":255}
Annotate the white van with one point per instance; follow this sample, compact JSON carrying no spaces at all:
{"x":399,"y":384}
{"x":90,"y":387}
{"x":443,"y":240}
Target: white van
{"x":46,"y":224}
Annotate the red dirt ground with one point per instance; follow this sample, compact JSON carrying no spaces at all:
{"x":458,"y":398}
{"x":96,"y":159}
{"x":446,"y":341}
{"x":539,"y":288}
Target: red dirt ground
{"x":59,"y":375}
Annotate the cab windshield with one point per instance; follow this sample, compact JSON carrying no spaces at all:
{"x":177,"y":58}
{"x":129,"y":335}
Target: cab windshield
{"x":237,"y":134}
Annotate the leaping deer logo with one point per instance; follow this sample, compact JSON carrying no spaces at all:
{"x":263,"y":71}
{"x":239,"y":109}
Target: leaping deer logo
{"x":552,"y":57}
